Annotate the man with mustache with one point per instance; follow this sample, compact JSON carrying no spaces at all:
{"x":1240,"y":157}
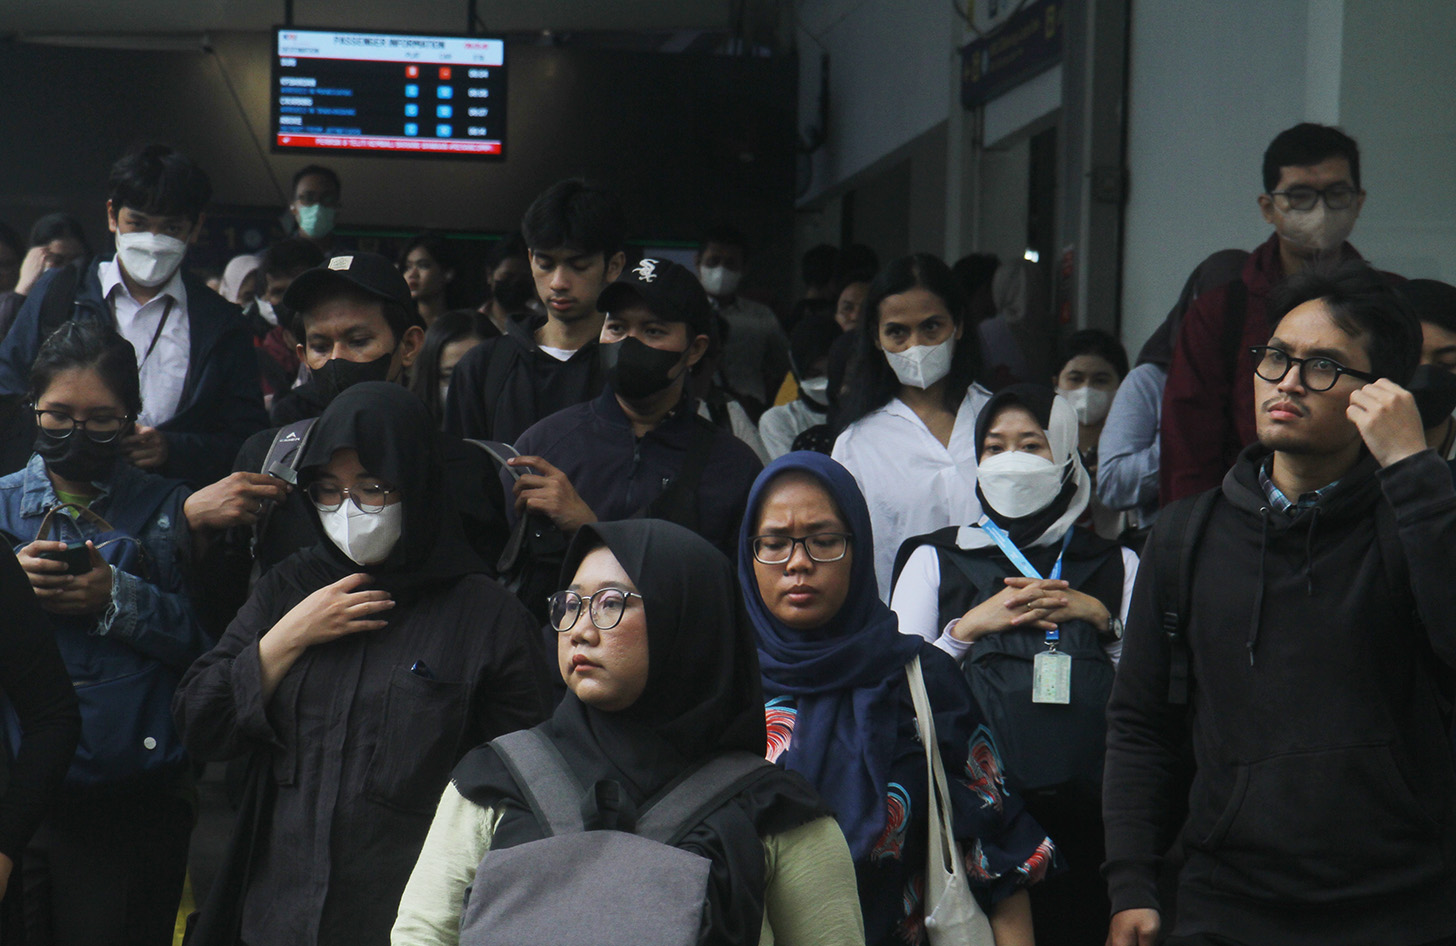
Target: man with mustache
{"x":1311,"y":663}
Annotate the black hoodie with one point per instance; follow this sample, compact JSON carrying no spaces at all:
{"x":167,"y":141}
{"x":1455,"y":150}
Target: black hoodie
{"x":1323,"y":805}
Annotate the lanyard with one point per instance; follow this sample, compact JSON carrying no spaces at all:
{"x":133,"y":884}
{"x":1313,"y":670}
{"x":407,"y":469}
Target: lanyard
{"x":999,"y":536}
{"x":161,"y":324}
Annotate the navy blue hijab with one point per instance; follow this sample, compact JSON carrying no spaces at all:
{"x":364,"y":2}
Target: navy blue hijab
{"x":845,"y":677}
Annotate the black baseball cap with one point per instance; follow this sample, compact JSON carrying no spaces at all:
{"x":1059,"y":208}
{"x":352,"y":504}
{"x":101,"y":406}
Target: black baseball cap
{"x":669,"y":289}
{"x":369,"y":273}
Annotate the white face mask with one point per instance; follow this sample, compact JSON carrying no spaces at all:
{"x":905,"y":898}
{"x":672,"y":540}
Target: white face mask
{"x":920,"y":366}
{"x":149,"y":258}
{"x":367,"y":538}
{"x":1319,"y":229}
{"x":1091,"y":404}
{"x":720,"y":280}
{"x":315,"y":220}
{"x":816,"y":388}
{"x":1017,"y":483}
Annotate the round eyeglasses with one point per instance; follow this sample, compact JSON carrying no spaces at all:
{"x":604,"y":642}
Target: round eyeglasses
{"x":605,"y":607}
{"x":58,"y":425}
{"x":1316,"y":374}
{"x":367,"y":497}
{"x":1336,"y":196}
{"x":821,"y":547}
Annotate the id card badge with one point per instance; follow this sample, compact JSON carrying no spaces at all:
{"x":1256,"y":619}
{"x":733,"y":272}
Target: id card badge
{"x":1051,"y":678}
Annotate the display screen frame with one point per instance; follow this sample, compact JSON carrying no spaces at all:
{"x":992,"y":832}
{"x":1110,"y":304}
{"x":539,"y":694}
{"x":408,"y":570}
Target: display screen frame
{"x":276,"y":132}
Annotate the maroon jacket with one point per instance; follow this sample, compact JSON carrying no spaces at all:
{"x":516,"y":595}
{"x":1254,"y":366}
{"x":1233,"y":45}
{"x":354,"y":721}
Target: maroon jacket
{"x":1208,"y":404}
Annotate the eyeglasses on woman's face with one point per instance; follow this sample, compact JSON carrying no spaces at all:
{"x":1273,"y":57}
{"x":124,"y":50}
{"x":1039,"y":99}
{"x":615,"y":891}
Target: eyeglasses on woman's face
{"x":821,"y":547}
{"x":99,"y":428}
{"x":367,"y":497}
{"x":605,"y":608}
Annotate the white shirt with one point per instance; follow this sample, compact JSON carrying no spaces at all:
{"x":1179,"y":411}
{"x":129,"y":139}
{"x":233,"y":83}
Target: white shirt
{"x":779,"y":426}
{"x":916,"y":602}
{"x":164,"y":372}
{"x":912,"y":483}
{"x":560,"y":354}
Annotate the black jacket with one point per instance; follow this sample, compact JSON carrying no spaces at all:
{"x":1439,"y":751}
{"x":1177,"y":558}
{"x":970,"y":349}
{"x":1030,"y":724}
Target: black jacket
{"x":1322,"y":809}
{"x":618,"y":475}
{"x":504,"y":385}
{"x":222,"y":399}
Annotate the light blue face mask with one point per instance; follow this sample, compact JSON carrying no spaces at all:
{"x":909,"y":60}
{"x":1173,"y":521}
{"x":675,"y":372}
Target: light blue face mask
{"x":315,"y":220}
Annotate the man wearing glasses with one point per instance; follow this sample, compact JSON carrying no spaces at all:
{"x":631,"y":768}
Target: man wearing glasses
{"x":1311,"y":198}
{"x":1314,"y":664}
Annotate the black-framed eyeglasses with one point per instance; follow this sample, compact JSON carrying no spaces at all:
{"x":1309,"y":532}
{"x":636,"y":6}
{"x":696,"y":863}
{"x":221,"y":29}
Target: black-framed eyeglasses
{"x":821,"y":547}
{"x":1316,"y":374}
{"x":367,"y":497}
{"x":1301,"y":197}
{"x":605,"y":606}
{"x":59,"y":425}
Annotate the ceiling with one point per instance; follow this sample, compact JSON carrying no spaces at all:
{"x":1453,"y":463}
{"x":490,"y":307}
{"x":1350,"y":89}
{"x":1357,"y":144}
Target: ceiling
{"x":121,"y":17}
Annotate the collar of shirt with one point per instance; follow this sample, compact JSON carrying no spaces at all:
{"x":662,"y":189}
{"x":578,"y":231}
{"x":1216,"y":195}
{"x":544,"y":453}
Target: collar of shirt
{"x":109,"y":272}
{"x":1279,"y":501}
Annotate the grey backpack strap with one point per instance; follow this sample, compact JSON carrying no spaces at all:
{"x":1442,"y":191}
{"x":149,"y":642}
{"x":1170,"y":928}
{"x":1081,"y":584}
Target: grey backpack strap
{"x":699,"y":794}
{"x":499,"y":452}
{"x":550,"y":787}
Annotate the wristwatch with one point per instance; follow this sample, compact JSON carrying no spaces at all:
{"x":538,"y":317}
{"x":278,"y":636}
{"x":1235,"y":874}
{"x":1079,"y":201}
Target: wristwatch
{"x":1114,"y":628}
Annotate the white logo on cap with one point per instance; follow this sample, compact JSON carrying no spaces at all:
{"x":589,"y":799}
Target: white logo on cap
{"x":647,"y":270}
{"x":341,"y":262}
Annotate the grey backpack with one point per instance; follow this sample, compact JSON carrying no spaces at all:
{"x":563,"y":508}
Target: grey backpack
{"x":598,"y":888}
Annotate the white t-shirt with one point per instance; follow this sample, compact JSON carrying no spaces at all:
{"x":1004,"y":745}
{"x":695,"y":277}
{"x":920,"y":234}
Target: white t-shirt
{"x":912,"y":483}
{"x":164,"y":371}
{"x":779,"y":426}
{"x":560,"y":354}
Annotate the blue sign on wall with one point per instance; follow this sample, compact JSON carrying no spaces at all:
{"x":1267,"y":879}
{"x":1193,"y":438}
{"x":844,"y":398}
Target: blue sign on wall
{"x":1026,"y":45}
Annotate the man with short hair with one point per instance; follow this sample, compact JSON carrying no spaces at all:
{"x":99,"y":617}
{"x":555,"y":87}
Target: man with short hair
{"x":317,"y":195}
{"x":1312,"y":198}
{"x":200,"y":393}
{"x":755,"y":348}
{"x":640,"y":448}
{"x":1309,"y":656}
{"x":575,"y":235}
{"x":272,"y":321}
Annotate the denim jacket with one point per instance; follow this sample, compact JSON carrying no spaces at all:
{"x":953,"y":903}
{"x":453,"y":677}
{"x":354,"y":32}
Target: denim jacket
{"x":125,"y":661}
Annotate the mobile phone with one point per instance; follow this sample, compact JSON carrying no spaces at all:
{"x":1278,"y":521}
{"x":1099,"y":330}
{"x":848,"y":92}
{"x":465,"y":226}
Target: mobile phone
{"x":77,"y":558}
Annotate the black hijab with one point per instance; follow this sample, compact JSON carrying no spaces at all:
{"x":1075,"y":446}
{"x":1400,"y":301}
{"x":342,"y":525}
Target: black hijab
{"x":701,"y":698}
{"x":395,"y":438}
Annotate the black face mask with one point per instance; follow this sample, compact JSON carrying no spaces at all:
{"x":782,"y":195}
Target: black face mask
{"x":340,"y":373}
{"x":78,"y":458}
{"x":513,"y":293}
{"x":636,"y":370}
{"x":1434,"y":389}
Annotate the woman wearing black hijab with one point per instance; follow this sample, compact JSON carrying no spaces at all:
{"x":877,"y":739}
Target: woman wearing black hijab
{"x":670,"y":683}
{"x":358,"y":673}
{"x":1021,"y":582}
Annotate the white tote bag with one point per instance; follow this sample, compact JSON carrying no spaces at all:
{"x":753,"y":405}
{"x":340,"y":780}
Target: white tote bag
{"x":952,"y":915}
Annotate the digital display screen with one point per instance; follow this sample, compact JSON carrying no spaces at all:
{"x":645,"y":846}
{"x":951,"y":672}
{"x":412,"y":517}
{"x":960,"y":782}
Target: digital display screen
{"x":388,"y":93}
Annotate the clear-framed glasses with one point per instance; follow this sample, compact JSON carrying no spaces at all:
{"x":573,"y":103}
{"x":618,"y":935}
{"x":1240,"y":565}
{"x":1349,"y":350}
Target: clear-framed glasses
{"x":59,"y":425}
{"x":1300,"y":197}
{"x":367,"y":497}
{"x":821,"y":547}
{"x":605,"y":607}
{"x":1316,"y":374}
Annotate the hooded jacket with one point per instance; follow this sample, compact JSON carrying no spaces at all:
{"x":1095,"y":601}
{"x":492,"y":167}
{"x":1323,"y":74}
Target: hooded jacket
{"x":222,"y":399}
{"x":1322,"y":808}
{"x":528,"y":384}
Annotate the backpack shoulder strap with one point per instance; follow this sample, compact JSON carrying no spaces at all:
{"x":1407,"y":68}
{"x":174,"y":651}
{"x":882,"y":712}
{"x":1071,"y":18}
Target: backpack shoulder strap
{"x":696,"y":796}
{"x":550,"y":787}
{"x":1176,"y":537}
{"x":281,"y":461}
{"x":499,"y":453}
{"x":60,"y":298}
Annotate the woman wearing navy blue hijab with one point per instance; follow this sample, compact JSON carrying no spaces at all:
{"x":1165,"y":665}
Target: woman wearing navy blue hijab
{"x":839,"y":709}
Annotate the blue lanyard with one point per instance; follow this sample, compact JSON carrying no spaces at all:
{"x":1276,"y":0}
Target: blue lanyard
{"x":1002,"y":540}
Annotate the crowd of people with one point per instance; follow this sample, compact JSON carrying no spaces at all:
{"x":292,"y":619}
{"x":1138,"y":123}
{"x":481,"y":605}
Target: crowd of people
{"x":620,"y":606}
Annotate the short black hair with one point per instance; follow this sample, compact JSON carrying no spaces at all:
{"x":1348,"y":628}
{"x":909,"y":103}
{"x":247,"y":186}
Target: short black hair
{"x":59,"y":226}
{"x":1306,"y":144}
{"x":1092,"y":341}
{"x":81,"y":343}
{"x":1365,"y":307}
{"x":575,"y":215}
{"x":289,"y":257}
{"x":321,"y":171}
{"x":975,"y":271}
{"x":871,"y":380}
{"x":858,"y":263}
{"x":725,"y":235}
{"x":160,"y":180}
{"x":1432,"y":301}
{"x":819,"y":264}
{"x":510,"y":246}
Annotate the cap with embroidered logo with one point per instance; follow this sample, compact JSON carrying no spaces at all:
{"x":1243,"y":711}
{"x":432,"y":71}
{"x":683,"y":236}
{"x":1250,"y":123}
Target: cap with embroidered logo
{"x":369,"y":273}
{"x":669,"y":289}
